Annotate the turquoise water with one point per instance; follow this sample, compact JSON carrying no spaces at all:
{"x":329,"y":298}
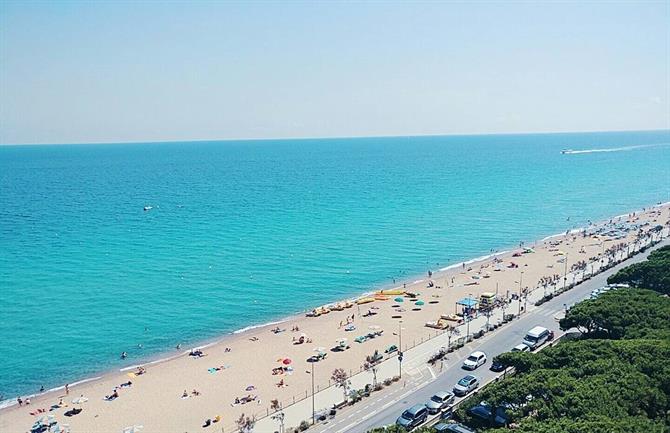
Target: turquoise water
{"x":243,"y":233}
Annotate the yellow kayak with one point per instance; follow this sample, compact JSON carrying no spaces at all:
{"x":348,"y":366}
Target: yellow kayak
{"x":365,"y":301}
{"x":392,"y":292}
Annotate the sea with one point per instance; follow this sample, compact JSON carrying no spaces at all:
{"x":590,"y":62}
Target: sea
{"x":111,"y":248}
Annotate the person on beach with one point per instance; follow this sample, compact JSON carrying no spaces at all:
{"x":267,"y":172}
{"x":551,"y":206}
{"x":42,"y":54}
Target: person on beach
{"x":67,"y":388}
{"x":18,"y":399}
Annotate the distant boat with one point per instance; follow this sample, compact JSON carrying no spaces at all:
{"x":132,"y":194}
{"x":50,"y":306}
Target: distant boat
{"x":564,"y":151}
{"x":147,"y":208}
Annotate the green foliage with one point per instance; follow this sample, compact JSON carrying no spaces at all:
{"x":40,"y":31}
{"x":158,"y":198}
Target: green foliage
{"x":622,"y":314}
{"x":584,"y":381}
{"x":652,"y":274}
{"x":615,"y":379}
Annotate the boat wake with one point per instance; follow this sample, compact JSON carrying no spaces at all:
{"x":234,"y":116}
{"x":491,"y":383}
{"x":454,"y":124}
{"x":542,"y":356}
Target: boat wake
{"x":612,"y":149}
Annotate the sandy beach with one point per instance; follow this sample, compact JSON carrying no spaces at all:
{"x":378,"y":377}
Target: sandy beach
{"x":180,"y":394}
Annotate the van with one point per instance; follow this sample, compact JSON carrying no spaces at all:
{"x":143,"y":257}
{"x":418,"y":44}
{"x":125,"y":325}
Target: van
{"x":536,"y":337}
{"x":413,"y":417}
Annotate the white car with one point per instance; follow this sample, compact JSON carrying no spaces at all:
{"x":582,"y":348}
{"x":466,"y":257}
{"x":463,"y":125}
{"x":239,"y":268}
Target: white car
{"x":467,"y":384}
{"x":439,"y":401}
{"x":474,"y":360}
{"x":521,"y":348}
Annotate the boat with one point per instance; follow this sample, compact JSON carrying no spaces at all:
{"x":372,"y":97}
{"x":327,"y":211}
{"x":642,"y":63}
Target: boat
{"x":379,"y":297}
{"x":148,"y":208}
{"x":564,"y":151}
{"x":391,"y":292}
{"x":365,"y":300}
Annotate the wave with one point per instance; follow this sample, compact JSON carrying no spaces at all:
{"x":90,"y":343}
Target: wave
{"x":611,"y":149}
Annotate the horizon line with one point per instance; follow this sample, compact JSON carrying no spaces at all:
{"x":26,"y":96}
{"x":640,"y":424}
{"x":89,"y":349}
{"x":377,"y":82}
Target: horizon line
{"x":330,"y":137}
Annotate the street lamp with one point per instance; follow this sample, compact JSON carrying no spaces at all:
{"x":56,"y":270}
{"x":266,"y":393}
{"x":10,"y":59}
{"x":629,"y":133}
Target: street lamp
{"x":520,"y":283}
{"x":313,"y":410}
{"x":467,"y":333}
{"x":400,"y":349}
{"x":565,"y":273}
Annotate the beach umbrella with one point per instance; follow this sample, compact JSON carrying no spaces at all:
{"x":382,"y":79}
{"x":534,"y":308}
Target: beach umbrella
{"x":286,"y":361}
{"x":399,"y":299}
{"x":133,"y":429}
{"x":419,"y":303}
{"x":250,"y":388}
{"x":80,"y":400}
{"x":319,"y":349}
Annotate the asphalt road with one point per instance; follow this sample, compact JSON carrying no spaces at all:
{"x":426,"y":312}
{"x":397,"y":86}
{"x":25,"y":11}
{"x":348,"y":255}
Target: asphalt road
{"x":385,"y":410}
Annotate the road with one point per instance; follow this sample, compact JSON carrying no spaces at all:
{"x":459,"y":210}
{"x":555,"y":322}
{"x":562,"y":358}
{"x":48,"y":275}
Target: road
{"x":385,"y":409}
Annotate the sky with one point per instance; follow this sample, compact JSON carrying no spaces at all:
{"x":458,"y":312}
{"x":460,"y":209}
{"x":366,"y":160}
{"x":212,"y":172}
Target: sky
{"x":96,"y":71}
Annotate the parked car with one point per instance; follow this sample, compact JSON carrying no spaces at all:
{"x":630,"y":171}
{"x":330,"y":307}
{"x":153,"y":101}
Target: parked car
{"x":497,"y":366}
{"x":474,"y":360}
{"x":536,"y":337}
{"x":483,"y":411}
{"x":439,"y":401}
{"x":452,"y":428}
{"x":521,"y":348}
{"x":466,"y":385}
{"x":413,"y":417}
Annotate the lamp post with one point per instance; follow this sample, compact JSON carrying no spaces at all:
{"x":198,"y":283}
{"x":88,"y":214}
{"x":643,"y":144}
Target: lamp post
{"x":520,"y":283}
{"x":565,"y":273}
{"x":400,"y":349}
{"x":467,"y":321}
{"x":313,"y":410}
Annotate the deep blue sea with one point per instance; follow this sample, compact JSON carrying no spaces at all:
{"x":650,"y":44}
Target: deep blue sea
{"x":246,"y":232}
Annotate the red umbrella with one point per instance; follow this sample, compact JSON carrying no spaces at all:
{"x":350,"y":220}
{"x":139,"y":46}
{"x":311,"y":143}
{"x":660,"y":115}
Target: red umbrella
{"x":286,"y":361}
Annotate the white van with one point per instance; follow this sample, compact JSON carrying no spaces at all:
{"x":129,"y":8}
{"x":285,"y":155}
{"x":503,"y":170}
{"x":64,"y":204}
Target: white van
{"x":536,"y":337}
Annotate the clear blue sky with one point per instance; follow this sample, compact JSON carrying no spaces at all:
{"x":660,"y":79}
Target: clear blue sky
{"x":92,"y":71}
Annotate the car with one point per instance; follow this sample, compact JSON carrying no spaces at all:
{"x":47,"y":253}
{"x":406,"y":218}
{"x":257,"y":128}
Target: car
{"x":521,"y":348}
{"x":474,"y":360}
{"x":413,"y":417}
{"x":536,"y":337}
{"x":484,"y":411}
{"x":439,"y":401}
{"x":466,"y":385}
{"x":497,"y":366}
{"x":452,"y":428}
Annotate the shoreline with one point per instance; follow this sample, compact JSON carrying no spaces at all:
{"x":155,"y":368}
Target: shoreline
{"x":258,"y":329}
